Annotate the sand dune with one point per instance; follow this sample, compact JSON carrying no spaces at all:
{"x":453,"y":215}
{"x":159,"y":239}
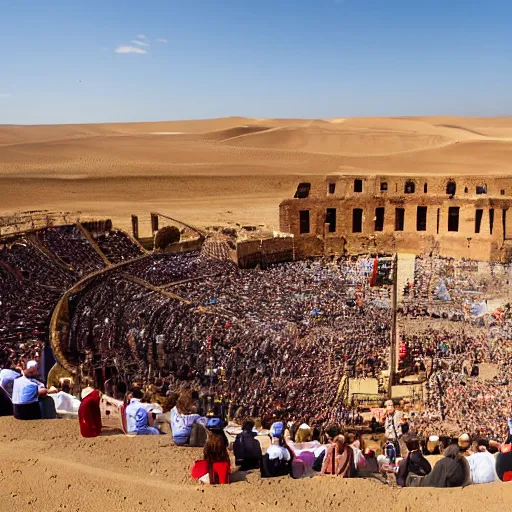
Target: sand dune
{"x":240,"y":158}
{"x":341,"y":142}
{"x":232,"y":133}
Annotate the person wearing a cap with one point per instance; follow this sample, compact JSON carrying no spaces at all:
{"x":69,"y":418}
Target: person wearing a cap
{"x":26,"y":392}
{"x":277,"y":459}
{"x":215,"y":467}
{"x":215,"y":426}
{"x":434,"y":445}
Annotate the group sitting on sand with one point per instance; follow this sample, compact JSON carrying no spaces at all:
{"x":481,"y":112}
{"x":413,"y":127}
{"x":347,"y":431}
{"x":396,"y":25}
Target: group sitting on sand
{"x":284,"y":447}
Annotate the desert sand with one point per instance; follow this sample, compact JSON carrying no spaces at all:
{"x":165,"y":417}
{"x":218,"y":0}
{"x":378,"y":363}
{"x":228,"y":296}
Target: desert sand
{"x":47,"y":466}
{"x":229,"y":170}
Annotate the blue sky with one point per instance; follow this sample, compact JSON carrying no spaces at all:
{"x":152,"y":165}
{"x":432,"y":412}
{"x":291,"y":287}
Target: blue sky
{"x":266,"y":58}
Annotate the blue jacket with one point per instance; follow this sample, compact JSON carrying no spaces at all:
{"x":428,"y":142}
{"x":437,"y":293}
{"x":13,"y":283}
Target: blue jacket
{"x":142,"y":427}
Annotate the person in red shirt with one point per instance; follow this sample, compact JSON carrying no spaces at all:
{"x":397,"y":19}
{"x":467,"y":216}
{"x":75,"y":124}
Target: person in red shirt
{"x":89,"y":415}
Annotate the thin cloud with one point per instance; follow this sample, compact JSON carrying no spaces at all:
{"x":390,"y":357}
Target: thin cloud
{"x":4,"y":95}
{"x":140,"y":43}
{"x":162,"y":40}
{"x":130,"y":49}
{"x":141,"y":36}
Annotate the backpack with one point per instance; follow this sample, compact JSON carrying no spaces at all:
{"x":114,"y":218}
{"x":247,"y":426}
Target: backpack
{"x":271,"y":468}
{"x":247,"y":451}
{"x":198,"y":435}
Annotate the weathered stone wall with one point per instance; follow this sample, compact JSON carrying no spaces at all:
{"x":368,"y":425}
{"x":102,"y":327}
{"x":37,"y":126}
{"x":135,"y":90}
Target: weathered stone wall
{"x":265,"y":251}
{"x":437,"y":235}
{"x":21,"y":222}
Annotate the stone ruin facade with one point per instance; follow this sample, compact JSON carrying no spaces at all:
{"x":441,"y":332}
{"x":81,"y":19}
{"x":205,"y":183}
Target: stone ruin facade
{"x":460,"y":217}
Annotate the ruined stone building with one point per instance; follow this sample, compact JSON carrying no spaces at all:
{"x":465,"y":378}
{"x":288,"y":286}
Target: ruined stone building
{"x":460,"y":217}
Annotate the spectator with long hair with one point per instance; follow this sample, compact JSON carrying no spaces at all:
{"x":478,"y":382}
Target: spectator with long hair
{"x":215,"y":466}
{"x":187,"y":427}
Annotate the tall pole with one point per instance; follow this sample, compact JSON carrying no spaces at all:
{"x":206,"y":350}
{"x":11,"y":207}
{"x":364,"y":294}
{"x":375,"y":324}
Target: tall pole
{"x":392,"y":355}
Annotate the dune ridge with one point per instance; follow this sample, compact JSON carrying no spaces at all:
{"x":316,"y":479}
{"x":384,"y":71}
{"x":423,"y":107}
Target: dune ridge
{"x":236,"y":156}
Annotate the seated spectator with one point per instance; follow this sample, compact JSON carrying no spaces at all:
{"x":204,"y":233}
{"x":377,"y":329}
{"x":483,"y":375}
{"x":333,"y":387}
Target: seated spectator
{"x":434,"y":446}
{"x":26,"y":392}
{"x":303,"y":434}
{"x":186,"y":426}
{"x":144,"y":420}
{"x":339,"y":459}
{"x":372,"y":465}
{"x":247,"y":449}
{"x":65,"y":403}
{"x":277,"y":460}
{"x":7,"y":378}
{"x":329,"y":434}
{"x":404,"y":424}
{"x":359,"y":458}
{"x":134,"y":399}
{"x":415,"y":464}
{"x":89,"y":415}
{"x":504,"y":463}
{"x":215,"y":466}
{"x":451,"y":471}
{"x":481,"y":465}
{"x":464,"y":443}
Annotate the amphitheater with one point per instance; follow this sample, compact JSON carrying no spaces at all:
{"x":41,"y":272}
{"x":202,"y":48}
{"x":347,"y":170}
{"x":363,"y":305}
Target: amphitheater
{"x":89,"y":300}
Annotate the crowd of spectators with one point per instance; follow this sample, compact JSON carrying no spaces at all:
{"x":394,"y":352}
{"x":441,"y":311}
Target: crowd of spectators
{"x":160,"y":269}
{"x":70,"y":245}
{"x":36,"y":268}
{"x":117,"y":246}
{"x":30,"y":286}
{"x":282,"y":337}
{"x":449,"y":331}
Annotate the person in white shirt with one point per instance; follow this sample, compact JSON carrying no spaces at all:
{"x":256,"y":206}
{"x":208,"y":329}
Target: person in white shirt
{"x":482,"y":465}
{"x":26,"y":392}
{"x":277,"y":451}
{"x":131,"y":410}
{"x":277,"y":459}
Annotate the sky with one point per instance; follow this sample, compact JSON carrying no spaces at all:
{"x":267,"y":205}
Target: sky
{"x":89,"y":61}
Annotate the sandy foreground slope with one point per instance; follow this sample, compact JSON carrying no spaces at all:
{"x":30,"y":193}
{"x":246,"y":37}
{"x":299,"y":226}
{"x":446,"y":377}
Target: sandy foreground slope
{"x":229,"y":170}
{"x":47,"y":466}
